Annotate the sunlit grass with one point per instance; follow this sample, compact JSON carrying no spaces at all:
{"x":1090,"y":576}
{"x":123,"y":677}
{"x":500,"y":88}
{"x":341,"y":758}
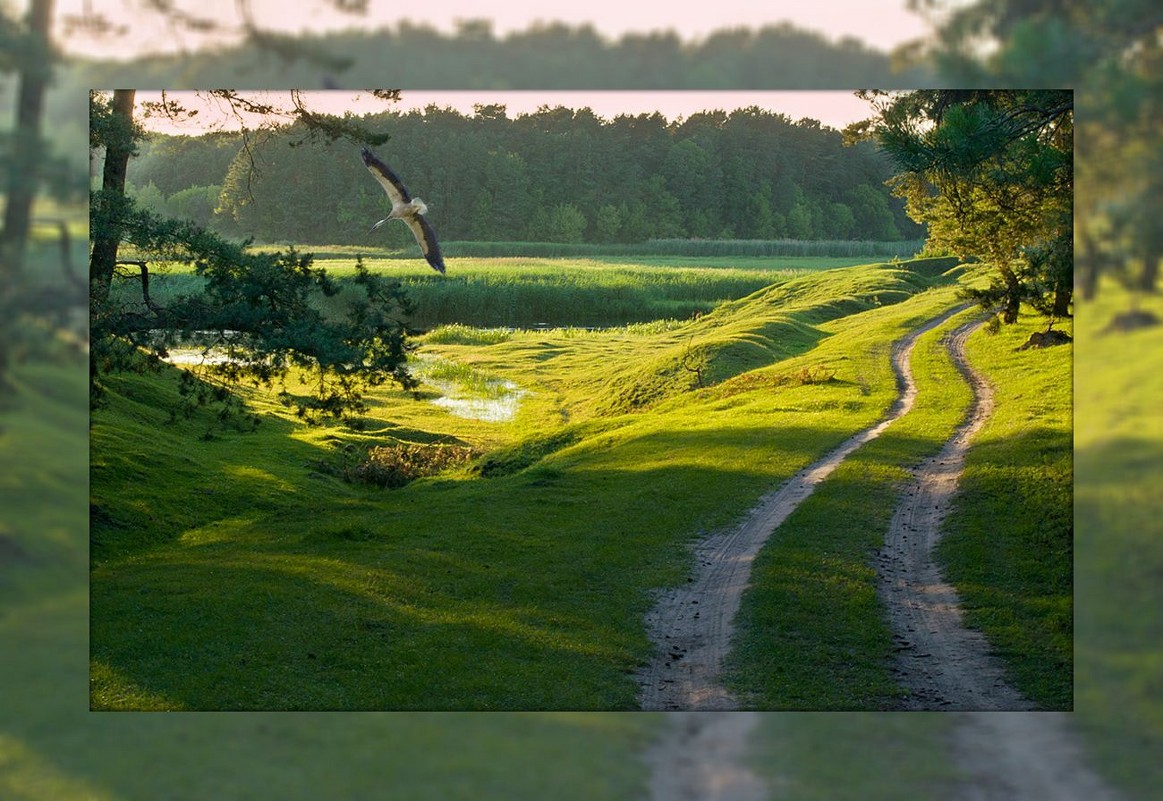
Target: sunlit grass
{"x":1008,"y":541}
{"x":812,"y":630}
{"x":519,"y":581}
{"x":1118,"y":556}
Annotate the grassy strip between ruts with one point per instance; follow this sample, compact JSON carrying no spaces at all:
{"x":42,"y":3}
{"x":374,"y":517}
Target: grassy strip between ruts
{"x":1007,"y":544}
{"x":811,"y":630}
{"x":1119,"y":545}
{"x":868,"y":756}
{"x":231,"y":574}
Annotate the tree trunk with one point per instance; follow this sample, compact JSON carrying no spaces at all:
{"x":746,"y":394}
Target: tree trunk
{"x":27,"y":150}
{"x":1013,"y":295}
{"x":1062,"y":297}
{"x":1087,"y":264}
{"x":1150,"y":275}
{"x":107,"y":236}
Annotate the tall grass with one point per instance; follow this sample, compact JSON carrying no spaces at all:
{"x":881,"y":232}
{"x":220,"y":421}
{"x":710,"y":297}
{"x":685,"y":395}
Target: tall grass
{"x":527,"y":293}
{"x":717,"y":248}
{"x":694,"y":248}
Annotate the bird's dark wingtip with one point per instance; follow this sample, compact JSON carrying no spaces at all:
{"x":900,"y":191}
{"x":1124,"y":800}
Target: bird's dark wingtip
{"x":366,"y":154}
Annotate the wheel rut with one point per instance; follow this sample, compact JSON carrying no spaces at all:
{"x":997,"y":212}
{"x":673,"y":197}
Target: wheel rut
{"x":701,"y":756}
{"x":691,"y":626}
{"x":942,"y":664}
{"x":1015,"y":756}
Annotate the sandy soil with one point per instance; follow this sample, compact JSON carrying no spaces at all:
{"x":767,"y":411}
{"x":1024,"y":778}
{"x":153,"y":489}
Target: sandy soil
{"x":1017,"y":756}
{"x":700,"y":757}
{"x":691,"y":625}
{"x":1002,"y":756}
{"x":943,"y":665}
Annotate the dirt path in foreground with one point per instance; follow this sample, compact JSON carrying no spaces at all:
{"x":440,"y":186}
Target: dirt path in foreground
{"x":943,"y":665}
{"x":691,"y":625}
{"x":1016,"y":756}
{"x":700,"y":757}
{"x":1002,"y":756}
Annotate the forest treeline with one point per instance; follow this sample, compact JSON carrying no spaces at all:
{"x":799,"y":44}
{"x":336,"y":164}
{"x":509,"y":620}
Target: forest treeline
{"x":554,"y":175}
{"x":418,"y":56}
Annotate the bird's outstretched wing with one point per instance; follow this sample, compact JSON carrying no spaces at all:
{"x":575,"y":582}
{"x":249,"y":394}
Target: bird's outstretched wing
{"x":386,"y":178}
{"x":398,"y":193}
{"x":424,"y":234}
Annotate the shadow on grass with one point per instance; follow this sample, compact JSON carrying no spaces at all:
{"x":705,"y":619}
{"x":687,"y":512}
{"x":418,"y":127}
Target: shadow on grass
{"x":1119,"y":569}
{"x":525,"y":591}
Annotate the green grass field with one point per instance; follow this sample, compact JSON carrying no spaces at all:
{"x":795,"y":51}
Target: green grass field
{"x":869,"y":756}
{"x":1118,"y":556}
{"x":527,"y":292}
{"x":53,"y":748}
{"x":238,"y":571}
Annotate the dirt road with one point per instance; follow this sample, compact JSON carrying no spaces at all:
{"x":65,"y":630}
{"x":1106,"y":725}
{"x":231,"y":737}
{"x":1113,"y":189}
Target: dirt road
{"x":701,"y":757}
{"x":691,"y":625}
{"x":1001,"y":756}
{"x":1015,"y":756}
{"x":943,"y":665}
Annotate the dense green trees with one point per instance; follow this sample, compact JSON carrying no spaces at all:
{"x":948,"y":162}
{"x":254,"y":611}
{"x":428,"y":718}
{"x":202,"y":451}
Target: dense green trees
{"x":1112,"y":55}
{"x":558,"y":174}
{"x":544,"y":55}
{"x":991,"y":172}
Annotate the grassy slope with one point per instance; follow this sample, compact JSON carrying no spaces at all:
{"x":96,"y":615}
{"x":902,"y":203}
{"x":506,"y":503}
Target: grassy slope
{"x":1118,"y":551}
{"x":262,"y":584}
{"x":52,"y":748}
{"x":1008,"y":543}
{"x":321,"y":602}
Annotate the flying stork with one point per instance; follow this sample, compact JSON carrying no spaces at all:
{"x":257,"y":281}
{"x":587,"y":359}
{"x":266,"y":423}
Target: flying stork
{"x":407,"y":208}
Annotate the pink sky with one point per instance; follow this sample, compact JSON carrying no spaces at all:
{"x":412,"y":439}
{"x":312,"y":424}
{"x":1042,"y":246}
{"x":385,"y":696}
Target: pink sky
{"x":834,"y":109}
{"x":879,"y":23}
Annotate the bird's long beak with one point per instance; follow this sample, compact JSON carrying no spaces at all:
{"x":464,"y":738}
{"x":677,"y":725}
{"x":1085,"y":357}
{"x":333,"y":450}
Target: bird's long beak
{"x":377,"y":225}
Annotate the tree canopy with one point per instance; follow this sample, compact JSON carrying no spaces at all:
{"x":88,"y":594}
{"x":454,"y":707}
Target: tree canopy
{"x":557,"y":174}
{"x":1111,"y":53}
{"x":545,"y":55}
{"x":991,"y":173}
{"x":260,"y":309}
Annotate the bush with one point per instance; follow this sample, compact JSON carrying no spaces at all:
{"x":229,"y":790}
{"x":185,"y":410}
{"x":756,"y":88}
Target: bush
{"x":805,"y":376}
{"x":396,"y":465}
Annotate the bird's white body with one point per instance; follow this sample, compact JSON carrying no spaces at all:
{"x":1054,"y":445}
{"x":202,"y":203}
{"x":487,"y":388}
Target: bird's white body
{"x":402,"y":211}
